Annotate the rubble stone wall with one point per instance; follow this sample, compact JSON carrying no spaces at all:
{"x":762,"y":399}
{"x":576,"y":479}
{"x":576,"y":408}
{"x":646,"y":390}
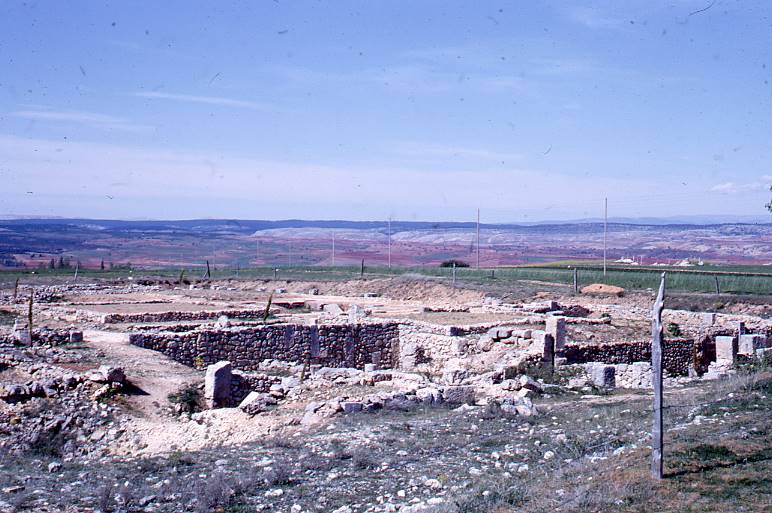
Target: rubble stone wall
{"x":179,"y":316}
{"x":242,"y":384}
{"x":345,"y":345}
{"x":679,"y":356}
{"x":418,"y":347}
{"x":46,"y":337}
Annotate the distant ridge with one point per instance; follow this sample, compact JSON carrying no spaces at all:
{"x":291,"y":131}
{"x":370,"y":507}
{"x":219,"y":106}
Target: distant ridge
{"x":262,"y":224}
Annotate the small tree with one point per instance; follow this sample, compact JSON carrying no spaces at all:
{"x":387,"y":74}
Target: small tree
{"x":52,"y":264}
{"x":61,"y":262}
{"x":102,"y":265}
{"x":454,"y":263}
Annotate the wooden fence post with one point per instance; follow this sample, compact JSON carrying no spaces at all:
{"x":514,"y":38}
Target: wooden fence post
{"x":362,"y":270}
{"x":718,"y":289}
{"x":657,"y":443}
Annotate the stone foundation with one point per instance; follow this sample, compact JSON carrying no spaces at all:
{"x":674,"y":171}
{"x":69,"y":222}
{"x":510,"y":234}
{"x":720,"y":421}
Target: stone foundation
{"x":345,"y":345}
{"x":180,"y":316}
{"x":42,"y":337}
{"x":679,"y":357}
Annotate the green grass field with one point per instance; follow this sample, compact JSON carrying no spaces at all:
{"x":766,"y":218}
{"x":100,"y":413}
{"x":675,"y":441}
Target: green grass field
{"x":732,"y":279}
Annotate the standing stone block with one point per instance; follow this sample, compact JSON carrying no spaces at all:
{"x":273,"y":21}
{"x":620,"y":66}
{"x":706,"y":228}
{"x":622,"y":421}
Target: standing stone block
{"x":749,"y":343}
{"x":217,"y":385}
{"x":461,"y":394}
{"x":603,"y":375}
{"x":23,"y":337}
{"x":556,"y":326}
{"x":708,"y":319}
{"x":726,"y":350}
{"x":458,"y":346}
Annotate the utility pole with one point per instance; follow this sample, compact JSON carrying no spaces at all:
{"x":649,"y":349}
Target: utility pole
{"x":605,"y":232}
{"x":478,"y":238}
{"x":333,"y":249}
{"x":389,"y":242}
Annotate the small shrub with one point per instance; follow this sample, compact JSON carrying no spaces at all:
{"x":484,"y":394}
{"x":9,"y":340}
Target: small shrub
{"x":179,"y":458}
{"x":215,"y":493}
{"x":674,"y":330}
{"x":362,"y":458}
{"x":188,"y":397}
{"x":458,"y":263}
{"x":317,"y":462}
{"x":278,"y":474}
{"x":105,"y":498}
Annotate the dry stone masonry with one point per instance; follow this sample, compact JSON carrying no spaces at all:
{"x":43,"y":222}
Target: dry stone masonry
{"x":345,"y":345}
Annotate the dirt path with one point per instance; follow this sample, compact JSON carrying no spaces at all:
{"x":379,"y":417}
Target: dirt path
{"x":154,"y":374}
{"x":147,"y":430}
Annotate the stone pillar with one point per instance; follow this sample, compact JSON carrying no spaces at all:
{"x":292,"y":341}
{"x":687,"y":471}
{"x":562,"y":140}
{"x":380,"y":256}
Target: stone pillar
{"x":748,"y":344}
{"x":217,"y":385}
{"x":708,"y":319}
{"x":556,"y":326}
{"x":726,"y":350}
{"x":603,"y":375}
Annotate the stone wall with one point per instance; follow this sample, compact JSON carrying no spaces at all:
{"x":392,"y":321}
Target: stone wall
{"x":344,"y":345}
{"x":243,"y":383}
{"x":679,"y":356}
{"x":43,"y":337}
{"x":180,"y":316}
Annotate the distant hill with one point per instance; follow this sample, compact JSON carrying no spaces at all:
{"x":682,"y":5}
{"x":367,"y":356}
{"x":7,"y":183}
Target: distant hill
{"x":34,"y":242}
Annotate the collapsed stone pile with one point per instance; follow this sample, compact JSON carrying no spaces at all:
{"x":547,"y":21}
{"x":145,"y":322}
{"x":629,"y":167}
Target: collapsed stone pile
{"x":56,"y":412}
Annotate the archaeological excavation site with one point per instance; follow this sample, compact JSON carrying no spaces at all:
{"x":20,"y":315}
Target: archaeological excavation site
{"x":384,"y":393}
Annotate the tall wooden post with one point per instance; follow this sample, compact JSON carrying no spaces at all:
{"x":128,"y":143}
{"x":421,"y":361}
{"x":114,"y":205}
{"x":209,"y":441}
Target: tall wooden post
{"x":718,"y":288}
{"x":362,"y":270}
{"x":454,"y":274}
{"x":657,"y":443}
{"x":29,"y":312}
{"x":576,"y":280}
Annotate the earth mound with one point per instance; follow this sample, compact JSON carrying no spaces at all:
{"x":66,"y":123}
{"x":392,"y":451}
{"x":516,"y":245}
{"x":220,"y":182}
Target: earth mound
{"x":599,"y":289}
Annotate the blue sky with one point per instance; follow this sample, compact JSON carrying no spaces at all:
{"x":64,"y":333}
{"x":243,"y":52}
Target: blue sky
{"x":363,"y":110}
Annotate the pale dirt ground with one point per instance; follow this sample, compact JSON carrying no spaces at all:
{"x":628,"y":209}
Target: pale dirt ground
{"x":149,"y":431}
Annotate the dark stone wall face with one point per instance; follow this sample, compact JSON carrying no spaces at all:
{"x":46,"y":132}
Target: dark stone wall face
{"x":678,"y":355}
{"x":350,"y":345}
